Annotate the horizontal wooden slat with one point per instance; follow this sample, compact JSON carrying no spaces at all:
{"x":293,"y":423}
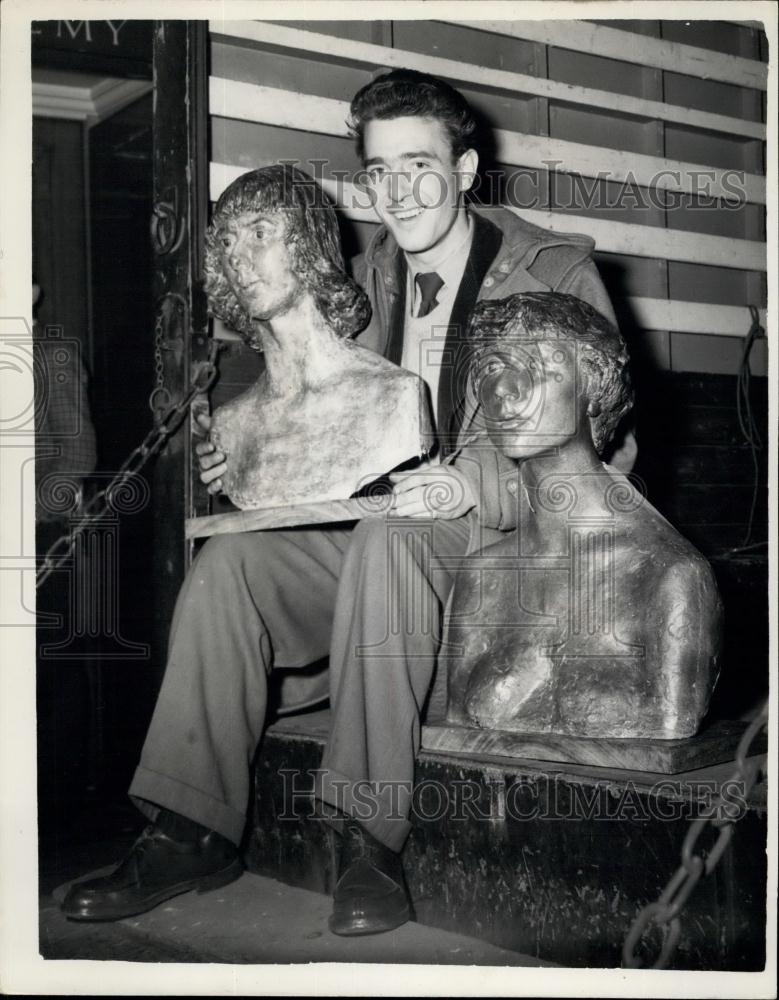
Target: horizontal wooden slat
{"x":562,"y":156}
{"x":661,"y":244}
{"x":613,"y":43}
{"x":271,"y":106}
{"x":483,"y":76}
{"x":692,"y":317}
{"x":610,"y":237}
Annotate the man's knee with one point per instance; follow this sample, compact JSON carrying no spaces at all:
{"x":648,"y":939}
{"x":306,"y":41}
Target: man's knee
{"x":251,"y":566}
{"x":370,"y":533}
{"x":230,"y":556}
{"x":219,"y":552}
{"x":380,"y":534}
{"x":376,"y":543}
{"x":392,"y":546}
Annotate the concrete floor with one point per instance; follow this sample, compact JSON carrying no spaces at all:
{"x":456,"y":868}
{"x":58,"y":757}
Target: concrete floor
{"x":254,"y":920}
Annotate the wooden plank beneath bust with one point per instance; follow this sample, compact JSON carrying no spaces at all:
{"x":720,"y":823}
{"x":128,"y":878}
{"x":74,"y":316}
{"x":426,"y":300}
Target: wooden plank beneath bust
{"x":714,"y":744}
{"x":326,"y":512}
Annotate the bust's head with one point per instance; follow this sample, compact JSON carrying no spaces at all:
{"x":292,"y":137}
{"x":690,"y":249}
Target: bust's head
{"x":272,"y":239}
{"x":548,"y":369}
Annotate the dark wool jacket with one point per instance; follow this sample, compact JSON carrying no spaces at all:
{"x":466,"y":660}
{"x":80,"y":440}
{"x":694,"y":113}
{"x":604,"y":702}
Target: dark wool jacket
{"x":508,"y":255}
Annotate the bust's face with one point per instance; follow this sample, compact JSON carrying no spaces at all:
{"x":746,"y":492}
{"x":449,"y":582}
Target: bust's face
{"x":531,"y":398}
{"x":256,"y":263}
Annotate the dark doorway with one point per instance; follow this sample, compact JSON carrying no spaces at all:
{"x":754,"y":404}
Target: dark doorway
{"x":120,"y":196}
{"x":92,"y":197}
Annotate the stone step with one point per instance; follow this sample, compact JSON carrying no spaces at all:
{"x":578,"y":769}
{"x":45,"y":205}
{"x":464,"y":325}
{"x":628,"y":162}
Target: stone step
{"x":551,"y":860}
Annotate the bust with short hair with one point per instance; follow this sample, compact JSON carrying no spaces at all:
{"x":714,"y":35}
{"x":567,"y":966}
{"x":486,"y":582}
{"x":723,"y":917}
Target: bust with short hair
{"x":595,"y":617}
{"x":326,"y":416}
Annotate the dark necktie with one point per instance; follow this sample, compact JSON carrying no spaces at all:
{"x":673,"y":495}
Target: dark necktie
{"x":429,"y":284}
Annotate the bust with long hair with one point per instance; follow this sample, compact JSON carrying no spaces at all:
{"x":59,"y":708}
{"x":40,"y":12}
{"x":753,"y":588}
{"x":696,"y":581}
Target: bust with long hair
{"x":326,"y":415}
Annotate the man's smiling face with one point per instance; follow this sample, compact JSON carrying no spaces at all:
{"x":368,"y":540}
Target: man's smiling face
{"x":416,"y":183}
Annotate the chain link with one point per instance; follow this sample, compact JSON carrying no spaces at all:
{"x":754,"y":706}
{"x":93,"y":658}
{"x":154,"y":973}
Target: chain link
{"x":664,"y":913}
{"x":100,"y":504}
{"x":159,"y":399}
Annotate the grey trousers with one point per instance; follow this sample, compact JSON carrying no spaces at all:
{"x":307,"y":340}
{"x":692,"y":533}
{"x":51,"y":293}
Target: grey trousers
{"x":371,"y":597}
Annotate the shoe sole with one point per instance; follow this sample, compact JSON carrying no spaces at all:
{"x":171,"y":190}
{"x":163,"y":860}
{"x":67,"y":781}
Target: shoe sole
{"x":202,"y":884}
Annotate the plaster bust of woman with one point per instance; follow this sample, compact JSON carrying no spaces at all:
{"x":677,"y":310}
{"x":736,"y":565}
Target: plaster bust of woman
{"x":326,"y":415}
{"x":595,"y":618}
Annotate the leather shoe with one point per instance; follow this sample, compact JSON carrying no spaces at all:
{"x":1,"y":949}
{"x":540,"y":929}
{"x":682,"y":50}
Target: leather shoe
{"x":157,"y":868}
{"x":371,"y":894}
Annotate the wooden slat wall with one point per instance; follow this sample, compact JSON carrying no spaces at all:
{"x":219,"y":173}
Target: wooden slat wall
{"x":604,"y":39}
{"x":630,"y":99}
{"x":624,"y":99}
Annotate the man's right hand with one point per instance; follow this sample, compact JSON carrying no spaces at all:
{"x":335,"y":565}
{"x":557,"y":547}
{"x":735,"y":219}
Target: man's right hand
{"x":213,"y":464}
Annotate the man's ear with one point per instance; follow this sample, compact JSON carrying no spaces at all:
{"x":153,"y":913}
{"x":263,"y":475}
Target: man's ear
{"x":467,"y":165}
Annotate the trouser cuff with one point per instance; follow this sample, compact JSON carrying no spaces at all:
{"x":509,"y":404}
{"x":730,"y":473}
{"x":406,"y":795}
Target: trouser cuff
{"x":373,"y":805}
{"x":150,"y":789}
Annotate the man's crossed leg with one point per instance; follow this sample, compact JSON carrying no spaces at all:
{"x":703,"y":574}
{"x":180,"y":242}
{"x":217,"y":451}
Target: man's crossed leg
{"x":373,"y":597}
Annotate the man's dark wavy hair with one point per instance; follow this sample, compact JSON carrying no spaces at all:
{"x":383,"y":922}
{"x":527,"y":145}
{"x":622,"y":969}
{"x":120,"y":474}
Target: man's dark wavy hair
{"x":312,"y":239}
{"x":406,"y":92}
{"x":534,"y":316}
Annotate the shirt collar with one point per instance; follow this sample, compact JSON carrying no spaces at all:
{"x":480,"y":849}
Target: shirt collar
{"x":450,"y":269}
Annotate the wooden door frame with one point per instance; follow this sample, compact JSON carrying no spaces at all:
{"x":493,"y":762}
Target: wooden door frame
{"x":180,"y":322}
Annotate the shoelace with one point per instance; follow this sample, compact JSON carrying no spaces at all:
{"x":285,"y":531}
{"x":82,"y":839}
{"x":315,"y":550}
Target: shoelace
{"x":144,"y":841}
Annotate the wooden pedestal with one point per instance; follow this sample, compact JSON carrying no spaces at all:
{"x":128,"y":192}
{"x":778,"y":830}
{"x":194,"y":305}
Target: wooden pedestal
{"x":715,"y":744}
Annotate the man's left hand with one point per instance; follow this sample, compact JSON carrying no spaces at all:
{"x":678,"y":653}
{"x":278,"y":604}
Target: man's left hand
{"x":435,"y":491}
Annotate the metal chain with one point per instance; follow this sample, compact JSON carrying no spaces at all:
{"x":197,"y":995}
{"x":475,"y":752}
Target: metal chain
{"x":664,"y":912}
{"x":159,"y":399}
{"x":100,"y":504}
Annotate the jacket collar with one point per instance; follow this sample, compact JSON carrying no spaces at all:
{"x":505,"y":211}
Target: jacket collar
{"x":522,"y":242}
{"x":487,"y":239}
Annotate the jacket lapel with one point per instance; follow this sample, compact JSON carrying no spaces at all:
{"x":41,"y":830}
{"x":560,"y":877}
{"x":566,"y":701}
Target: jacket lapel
{"x":486,"y":243}
{"x":397,"y":311}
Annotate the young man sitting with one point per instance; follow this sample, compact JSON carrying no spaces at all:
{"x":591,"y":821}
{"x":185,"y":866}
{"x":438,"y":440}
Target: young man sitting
{"x":287,"y":598}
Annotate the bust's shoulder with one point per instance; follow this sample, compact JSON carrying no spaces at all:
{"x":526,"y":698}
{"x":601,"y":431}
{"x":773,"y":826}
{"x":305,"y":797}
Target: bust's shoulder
{"x":684,"y":569}
{"x":667,"y":562}
{"x":641,"y":530}
{"x":364,"y":359}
